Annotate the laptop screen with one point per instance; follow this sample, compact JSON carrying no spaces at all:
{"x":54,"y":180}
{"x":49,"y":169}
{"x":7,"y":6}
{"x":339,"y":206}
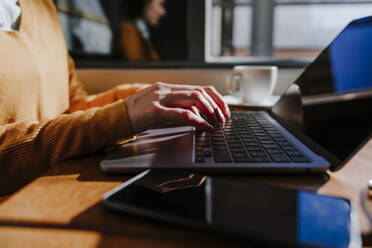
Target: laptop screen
{"x":345,"y":66}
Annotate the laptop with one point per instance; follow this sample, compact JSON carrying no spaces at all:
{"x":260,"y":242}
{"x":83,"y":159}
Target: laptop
{"x":264,"y":141}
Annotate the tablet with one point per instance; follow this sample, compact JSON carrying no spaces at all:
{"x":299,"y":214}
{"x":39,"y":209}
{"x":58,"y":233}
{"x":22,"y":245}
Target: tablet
{"x":252,"y":212}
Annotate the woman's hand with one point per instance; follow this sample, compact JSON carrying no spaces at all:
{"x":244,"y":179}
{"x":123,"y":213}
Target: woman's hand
{"x":163,"y":103}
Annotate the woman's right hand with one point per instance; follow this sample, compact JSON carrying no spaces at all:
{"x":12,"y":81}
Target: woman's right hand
{"x":179,"y":104}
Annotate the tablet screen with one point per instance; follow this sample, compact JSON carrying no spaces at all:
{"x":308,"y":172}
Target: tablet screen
{"x":248,"y":210}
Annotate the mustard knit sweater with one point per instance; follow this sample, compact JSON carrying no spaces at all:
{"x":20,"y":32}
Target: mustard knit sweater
{"x":45,"y":114}
{"x":133,"y":46}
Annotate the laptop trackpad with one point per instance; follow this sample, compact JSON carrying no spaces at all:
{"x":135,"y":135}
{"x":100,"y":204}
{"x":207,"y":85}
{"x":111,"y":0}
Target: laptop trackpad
{"x":163,"y":148}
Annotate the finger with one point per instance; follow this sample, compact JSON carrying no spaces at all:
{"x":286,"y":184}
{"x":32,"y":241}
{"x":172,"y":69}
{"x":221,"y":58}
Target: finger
{"x":217,"y":112}
{"x":219,"y":100}
{"x":183,"y":116}
{"x":211,"y":94}
{"x":219,"y":116}
{"x":186,"y":99}
{"x":195,"y":111}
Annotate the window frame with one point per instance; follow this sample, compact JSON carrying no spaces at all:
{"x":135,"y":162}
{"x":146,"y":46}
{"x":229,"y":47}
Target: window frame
{"x":300,"y":62}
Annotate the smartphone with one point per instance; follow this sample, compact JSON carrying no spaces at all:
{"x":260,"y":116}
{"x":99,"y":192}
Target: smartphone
{"x":254,"y":212}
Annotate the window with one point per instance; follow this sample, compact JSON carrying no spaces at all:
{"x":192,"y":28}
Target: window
{"x":86,"y":27}
{"x":251,"y":30}
{"x":92,"y":30}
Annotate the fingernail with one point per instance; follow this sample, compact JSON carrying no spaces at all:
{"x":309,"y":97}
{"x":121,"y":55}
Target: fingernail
{"x":228,"y":113}
{"x":223,"y":119}
{"x":220,"y":116}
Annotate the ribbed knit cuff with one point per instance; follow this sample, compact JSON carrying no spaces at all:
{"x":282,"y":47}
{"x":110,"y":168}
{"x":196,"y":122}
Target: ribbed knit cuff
{"x":117,"y":116}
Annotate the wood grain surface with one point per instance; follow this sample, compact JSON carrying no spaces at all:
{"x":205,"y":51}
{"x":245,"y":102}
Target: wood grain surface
{"x":62,"y":207}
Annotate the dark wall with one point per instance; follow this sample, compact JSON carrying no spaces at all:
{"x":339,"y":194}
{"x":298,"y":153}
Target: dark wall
{"x":196,"y":29}
{"x":113,"y":9}
{"x":170,"y":37}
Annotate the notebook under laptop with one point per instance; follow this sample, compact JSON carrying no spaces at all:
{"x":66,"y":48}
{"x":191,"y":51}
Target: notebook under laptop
{"x":262,"y":141}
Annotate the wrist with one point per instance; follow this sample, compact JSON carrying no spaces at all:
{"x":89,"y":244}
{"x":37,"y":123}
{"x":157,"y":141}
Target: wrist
{"x":127,"y":106}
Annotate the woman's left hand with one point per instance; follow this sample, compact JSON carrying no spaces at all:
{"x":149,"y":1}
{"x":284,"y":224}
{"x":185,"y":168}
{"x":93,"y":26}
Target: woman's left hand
{"x":179,"y":104}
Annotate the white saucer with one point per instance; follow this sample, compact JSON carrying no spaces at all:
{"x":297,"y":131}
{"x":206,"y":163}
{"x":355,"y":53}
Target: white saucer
{"x":236,"y":101}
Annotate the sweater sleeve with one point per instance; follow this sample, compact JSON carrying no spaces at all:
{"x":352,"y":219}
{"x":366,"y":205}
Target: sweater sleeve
{"x":80,"y":100}
{"x":131,"y":42}
{"x":29,"y":148}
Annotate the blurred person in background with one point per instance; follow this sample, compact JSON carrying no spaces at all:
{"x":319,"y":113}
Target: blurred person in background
{"x":134,"y":35}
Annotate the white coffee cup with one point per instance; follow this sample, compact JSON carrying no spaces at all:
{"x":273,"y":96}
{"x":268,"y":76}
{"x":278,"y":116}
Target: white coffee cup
{"x":253,"y":84}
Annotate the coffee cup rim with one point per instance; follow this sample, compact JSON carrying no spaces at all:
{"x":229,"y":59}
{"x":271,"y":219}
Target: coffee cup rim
{"x":255,"y":67}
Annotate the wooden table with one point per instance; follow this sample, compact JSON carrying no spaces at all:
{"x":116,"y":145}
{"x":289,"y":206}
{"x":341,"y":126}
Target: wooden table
{"x":62,"y":207}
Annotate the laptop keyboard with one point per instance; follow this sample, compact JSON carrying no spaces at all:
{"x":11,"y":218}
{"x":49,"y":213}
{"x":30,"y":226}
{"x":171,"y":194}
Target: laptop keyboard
{"x":246,"y":138}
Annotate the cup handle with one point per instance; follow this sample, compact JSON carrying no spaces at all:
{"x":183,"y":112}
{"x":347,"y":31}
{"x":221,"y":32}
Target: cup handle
{"x":234,"y":84}
{"x":274,"y":81}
